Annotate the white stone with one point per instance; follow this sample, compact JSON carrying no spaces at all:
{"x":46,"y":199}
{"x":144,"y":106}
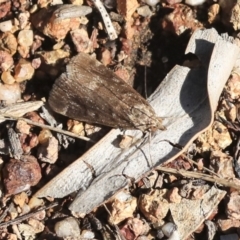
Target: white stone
{"x":67,"y":228}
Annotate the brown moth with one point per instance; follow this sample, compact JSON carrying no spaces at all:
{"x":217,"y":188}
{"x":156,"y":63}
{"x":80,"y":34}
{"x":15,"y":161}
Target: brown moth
{"x":90,"y":92}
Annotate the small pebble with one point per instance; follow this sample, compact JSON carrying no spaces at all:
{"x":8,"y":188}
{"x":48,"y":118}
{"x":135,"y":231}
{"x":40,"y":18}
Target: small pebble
{"x":20,"y":199}
{"x":44,"y":136}
{"x":23,"y":19}
{"x":56,"y":2}
{"x":27,"y":231}
{"x":7,"y":78}
{"x":110,"y":4}
{"x":194,"y":2}
{"x":6,"y":26}
{"x":10,"y":93}
{"x":144,"y":11}
{"x":20,"y":175}
{"x":23,"y":127}
{"x":168,"y":229}
{"x":35,"y":202}
{"x":25,"y":209}
{"x":37,"y":225}
{"x":5,"y":8}
{"x":67,"y":228}
{"x":87,"y":234}
{"x":77,"y":2}
{"x":151,"y":3}
{"x":8,"y":42}
{"x":126,"y":141}
{"x":23,"y":70}
{"x":48,"y":151}
{"x":6,"y":60}
{"x":25,"y":38}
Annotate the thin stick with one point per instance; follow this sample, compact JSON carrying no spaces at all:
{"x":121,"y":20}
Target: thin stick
{"x":193,"y":162}
{"x":106,"y":19}
{"x":8,"y":117}
{"x":26,"y":216}
{"x":188,"y":174}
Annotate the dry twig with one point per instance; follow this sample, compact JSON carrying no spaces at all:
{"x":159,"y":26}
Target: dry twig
{"x":8,"y":117}
{"x":189,"y":174}
{"x":26,"y":216}
{"x":193,"y":162}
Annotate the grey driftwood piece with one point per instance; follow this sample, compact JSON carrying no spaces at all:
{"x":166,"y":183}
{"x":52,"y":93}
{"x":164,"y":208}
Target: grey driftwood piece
{"x":182,"y":99}
{"x":19,"y":109}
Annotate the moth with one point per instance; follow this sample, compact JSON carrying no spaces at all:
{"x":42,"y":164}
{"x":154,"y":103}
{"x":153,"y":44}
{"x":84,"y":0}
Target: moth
{"x":90,"y":92}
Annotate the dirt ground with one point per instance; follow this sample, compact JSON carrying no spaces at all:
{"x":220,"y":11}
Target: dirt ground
{"x":140,"y":41}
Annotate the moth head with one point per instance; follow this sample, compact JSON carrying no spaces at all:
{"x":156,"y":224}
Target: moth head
{"x":157,"y":125}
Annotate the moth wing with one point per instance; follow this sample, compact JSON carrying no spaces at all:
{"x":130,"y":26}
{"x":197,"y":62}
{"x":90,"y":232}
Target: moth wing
{"x":90,"y":92}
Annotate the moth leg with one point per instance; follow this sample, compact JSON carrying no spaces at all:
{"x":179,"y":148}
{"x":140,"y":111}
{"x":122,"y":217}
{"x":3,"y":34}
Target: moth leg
{"x":149,"y":148}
